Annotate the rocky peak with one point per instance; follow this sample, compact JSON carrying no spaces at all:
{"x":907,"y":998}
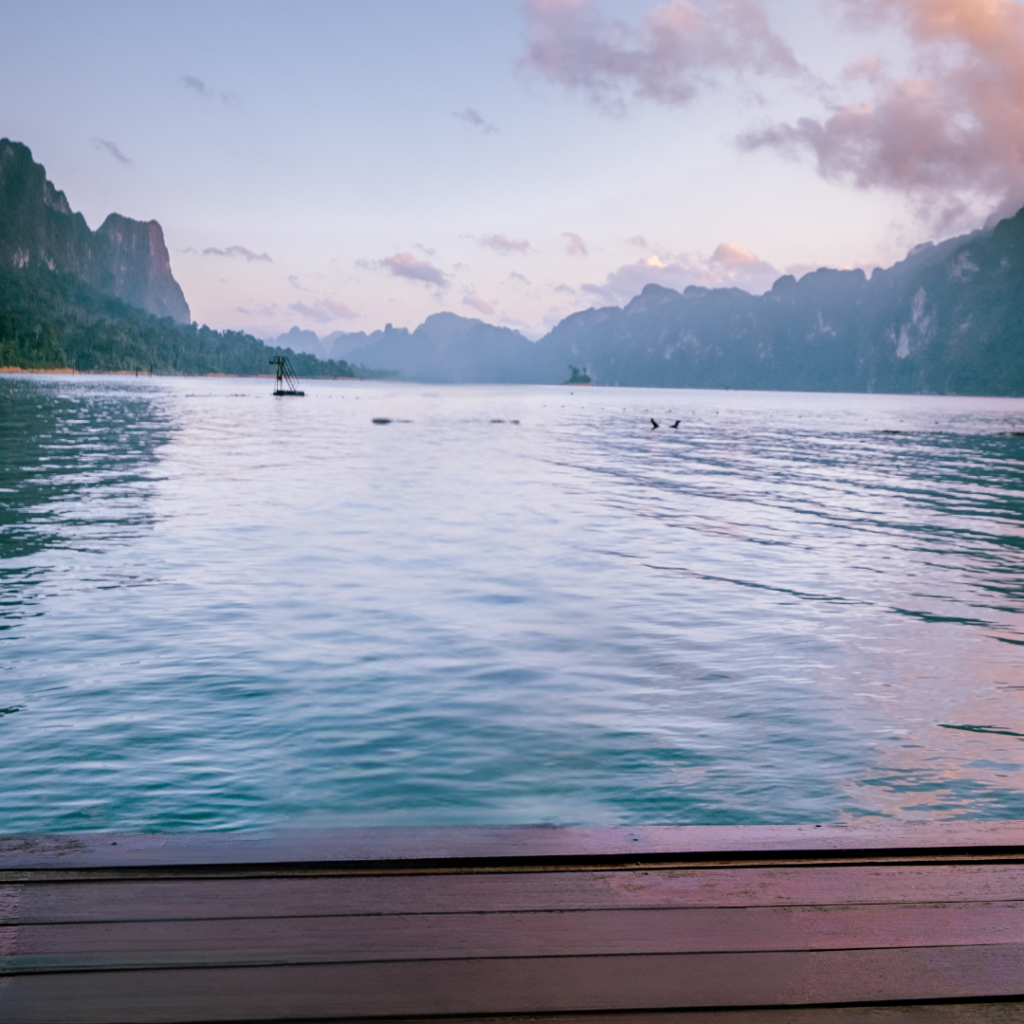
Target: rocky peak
{"x":55,"y":199}
{"x":141,"y":267}
{"x":125,"y":258}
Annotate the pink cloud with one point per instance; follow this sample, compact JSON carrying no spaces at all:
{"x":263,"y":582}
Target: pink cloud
{"x":311,"y":312}
{"x":404,"y":264}
{"x":952,"y":130}
{"x":729,"y":255}
{"x":323,"y":310}
{"x":480,"y":305}
{"x":730,"y":266}
{"x":503,"y":245}
{"x":574,"y":245}
{"x":677,"y":50}
{"x":339,"y":309}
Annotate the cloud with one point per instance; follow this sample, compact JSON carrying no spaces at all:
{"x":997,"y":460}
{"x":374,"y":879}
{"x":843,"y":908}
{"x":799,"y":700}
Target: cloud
{"x":678,"y":50}
{"x":112,"y":148}
{"x":519,"y":277}
{"x":730,"y":266}
{"x":196,"y":85}
{"x":311,"y":312}
{"x":339,"y":309}
{"x":799,"y":270}
{"x":732,"y":255}
{"x":239,"y":250}
{"x":741,"y":268}
{"x":946,"y":135}
{"x":404,"y":264}
{"x":269,"y":310}
{"x":199,"y":87}
{"x":323,"y":310}
{"x":503,"y":245}
{"x":638,"y":240}
{"x":474,"y":120}
{"x":480,"y":305}
{"x":574,"y":245}
{"x":555,"y":315}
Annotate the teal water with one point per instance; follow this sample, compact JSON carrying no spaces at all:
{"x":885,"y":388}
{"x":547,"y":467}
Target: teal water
{"x":221,"y":610}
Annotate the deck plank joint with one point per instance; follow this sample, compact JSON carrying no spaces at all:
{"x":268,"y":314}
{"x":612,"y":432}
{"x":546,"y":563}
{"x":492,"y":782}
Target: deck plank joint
{"x":840,"y":924}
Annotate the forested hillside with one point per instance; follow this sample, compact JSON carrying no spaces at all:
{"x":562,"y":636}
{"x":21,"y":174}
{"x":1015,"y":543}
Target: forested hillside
{"x":50,"y":320}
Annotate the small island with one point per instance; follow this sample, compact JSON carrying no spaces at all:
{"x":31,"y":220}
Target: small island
{"x":578,"y":376}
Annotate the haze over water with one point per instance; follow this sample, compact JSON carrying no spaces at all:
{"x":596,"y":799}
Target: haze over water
{"x":224,"y":610}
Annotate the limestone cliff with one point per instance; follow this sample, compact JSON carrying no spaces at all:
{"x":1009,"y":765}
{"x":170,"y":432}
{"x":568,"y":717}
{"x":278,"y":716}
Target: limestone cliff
{"x":949,"y":319}
{"x":125,"y":258}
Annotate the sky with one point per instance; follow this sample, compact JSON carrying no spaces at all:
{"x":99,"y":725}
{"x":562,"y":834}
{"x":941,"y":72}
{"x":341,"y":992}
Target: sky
{"x":341,"y":165}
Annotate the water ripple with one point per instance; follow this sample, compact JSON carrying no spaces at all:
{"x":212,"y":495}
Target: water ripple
{"x":506,"y":605}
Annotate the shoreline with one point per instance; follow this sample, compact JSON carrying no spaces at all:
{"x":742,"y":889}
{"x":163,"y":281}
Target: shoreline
{"x":72,"y":372}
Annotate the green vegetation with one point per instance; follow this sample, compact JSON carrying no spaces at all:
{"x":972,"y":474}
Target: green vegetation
{"x":50,"y":320}
{"x":578,"y":376}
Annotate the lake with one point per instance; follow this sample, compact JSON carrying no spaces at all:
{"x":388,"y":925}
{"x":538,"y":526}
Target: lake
{"x":222,"y":610}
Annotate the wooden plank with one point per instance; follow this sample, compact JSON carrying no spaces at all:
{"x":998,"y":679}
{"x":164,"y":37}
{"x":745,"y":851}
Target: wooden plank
{"x":468,"y":936}
{"x":1002,"y":1012}
{"x":539,"y":985}
{"x":539,"y":844}
{"x":197,"y":899}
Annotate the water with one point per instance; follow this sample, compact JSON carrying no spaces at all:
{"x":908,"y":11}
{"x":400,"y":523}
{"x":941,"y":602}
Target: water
{"x":220,"y":610}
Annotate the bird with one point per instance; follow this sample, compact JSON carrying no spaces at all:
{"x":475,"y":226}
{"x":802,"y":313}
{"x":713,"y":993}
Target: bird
{"x":654,"y":423}
{"x":675,"y":426}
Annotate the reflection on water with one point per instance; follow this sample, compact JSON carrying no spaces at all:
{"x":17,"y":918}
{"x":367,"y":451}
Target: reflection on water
{"x":218,"y":610}
{"x":75,"y":462}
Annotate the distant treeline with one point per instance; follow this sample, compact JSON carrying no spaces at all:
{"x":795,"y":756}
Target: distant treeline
{"x":51,"y":320}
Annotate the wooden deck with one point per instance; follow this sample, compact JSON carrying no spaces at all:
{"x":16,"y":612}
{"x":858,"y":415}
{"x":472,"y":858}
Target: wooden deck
{"x":783,"y":925}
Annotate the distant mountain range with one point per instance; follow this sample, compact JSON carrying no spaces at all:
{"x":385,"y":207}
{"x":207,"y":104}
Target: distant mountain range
{"x":445,"y":348}
{"x":949,"y":319}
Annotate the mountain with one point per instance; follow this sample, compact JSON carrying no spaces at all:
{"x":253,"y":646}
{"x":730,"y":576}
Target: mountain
{"x":106,"y":299}
{"x":946,"y":320}
{"x":302,"y":341}
{"x":339,"y":344}
{"x":125,"y":258}
{"x":453,"y":349}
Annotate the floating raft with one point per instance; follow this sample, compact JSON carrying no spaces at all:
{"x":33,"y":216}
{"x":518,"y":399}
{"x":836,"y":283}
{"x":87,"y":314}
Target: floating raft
{"x":692,"y":925}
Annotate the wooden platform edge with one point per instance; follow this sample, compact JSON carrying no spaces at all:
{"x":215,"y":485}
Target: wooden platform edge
{"x":508,"y":846}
